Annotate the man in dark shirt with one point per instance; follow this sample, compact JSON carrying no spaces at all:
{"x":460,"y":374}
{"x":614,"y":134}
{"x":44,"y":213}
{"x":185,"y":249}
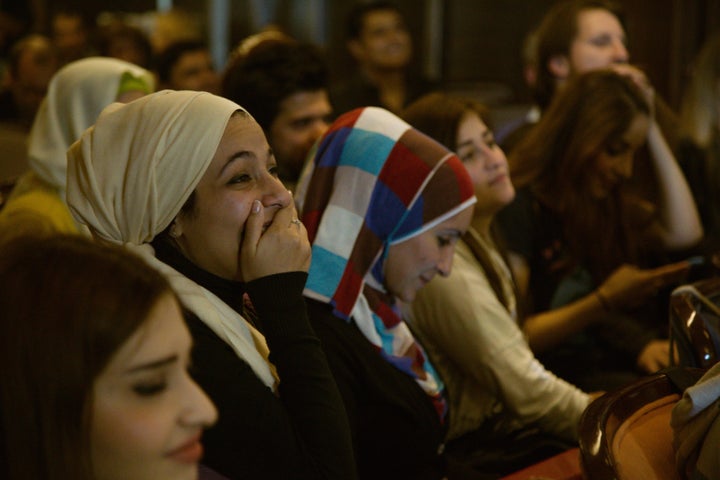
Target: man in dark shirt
{"x":380,"y":43}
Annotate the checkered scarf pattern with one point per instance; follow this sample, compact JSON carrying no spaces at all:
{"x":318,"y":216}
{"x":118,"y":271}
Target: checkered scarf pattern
{"x":375,"y":181}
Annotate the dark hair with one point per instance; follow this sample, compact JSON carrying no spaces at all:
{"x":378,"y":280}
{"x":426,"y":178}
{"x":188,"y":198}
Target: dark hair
{"x":438,"y":115}
{"x":557,"y":160}
{"x":33,"y":40}
{"x":267,"y":74}
{"x":166,"y":60}
{"x":67,"y":305}
{"x":356,"y":16}
{"x":121,"y":31}
{"x":555,"y":35}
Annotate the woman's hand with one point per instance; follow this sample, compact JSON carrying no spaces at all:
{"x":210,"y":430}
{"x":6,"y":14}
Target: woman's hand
{"x":654,"y":356}
{"x":640,"y":79}
{"x":283,"y":247}
{"x":629,"y":286}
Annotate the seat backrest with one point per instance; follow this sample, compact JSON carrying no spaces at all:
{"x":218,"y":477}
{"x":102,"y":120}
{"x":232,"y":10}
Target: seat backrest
{"x":694,"y":318}
{"x":642,"y":444}
{"x":626,"y":434}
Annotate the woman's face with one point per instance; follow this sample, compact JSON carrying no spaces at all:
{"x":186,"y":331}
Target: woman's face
{"x":147,"y":413}
{"x":411,"y":264}
{"x":242,"y":170}
{"x":615,"y":162}
{"x":486,"y":163}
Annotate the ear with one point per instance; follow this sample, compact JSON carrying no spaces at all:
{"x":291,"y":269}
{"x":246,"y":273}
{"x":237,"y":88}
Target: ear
{"x":559,"y":66}
{"x":176,"y":229}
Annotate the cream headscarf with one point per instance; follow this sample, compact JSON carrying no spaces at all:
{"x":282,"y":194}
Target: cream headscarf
{"x":76,"y":95}
{"x":130,"y":174}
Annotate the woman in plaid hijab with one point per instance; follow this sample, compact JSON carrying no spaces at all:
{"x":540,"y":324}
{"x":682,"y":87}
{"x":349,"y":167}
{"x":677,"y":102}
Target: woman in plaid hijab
{"x":384,"y":206}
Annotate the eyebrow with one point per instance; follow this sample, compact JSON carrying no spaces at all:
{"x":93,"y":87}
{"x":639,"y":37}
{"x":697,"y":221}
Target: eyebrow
{"x":241,"y":155}
{"x":486,"y":134}
{"x":153,"y":365}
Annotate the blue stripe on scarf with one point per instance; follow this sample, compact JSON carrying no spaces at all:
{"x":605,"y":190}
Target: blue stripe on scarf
{"x":366,"y":150}
{"x":326,"y":270}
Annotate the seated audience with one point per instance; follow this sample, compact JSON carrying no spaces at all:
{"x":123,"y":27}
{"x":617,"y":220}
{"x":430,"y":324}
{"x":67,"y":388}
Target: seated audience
{"x":95,"y":369}
{"x":579,"y":36}
{"x":699,"y":149}
{"x":76,"y":96}
{"x":380,"y":44}
{"x":187,"y":65}
{"x":384,"y":206}
{"x":31,"y":65}
{"x":577,"y":241}
{"x":188,"y":181}
{"x":506,"y":410}
{"x":284,"y":84}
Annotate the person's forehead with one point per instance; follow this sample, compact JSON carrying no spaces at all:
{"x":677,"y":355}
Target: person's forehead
{"x":593,"y":20}
{"x":375,"y":17}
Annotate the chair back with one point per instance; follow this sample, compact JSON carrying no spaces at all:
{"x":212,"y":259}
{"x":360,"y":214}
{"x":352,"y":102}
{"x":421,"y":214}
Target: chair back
{"x":695,"y":323}
{"x":626,"y":434}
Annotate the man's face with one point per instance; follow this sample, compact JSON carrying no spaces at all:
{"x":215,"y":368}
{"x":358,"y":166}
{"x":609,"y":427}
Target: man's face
{"x":599,"y":43}
{"x":302,"y":118}
{"x":194,"y":71}
{"x":384,"y":41}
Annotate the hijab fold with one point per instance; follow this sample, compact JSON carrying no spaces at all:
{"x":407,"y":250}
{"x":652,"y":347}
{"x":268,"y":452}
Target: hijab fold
{"x":374,"y":181}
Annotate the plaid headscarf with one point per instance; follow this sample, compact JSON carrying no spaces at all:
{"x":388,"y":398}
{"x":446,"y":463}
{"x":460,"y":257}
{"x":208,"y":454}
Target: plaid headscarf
{"x":375,"y":181}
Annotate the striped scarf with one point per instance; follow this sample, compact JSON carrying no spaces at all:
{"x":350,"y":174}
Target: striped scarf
{"x":375,"y":181}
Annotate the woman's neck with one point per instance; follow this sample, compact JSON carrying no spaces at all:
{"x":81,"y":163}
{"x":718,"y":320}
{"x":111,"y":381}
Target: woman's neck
{"x":481,"y":224}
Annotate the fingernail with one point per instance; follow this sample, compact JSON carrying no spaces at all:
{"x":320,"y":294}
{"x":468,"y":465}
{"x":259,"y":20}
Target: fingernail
{"x":256,"y":206}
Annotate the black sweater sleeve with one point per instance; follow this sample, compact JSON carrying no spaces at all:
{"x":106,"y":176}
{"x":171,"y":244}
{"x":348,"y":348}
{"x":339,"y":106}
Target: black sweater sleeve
{"x":300,"y":433}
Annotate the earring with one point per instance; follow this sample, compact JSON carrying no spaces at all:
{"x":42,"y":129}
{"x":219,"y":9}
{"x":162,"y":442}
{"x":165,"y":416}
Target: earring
{"x":173,"y":233}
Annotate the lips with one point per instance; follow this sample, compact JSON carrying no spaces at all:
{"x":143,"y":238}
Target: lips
{"x":498,"y":179}
{"x":189,"y":452}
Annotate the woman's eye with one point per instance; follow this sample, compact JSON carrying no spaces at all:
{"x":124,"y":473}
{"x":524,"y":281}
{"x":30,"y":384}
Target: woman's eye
{"x":242,"y":178}
{"x":273,"y":170}
{"x":467,"y":155}
{"x":444,"y":241}
{"x":601,"y":41}
{"x":149,"y":389}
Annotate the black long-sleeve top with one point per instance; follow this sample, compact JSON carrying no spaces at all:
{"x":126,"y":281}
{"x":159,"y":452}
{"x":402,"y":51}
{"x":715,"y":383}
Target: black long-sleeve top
{"x":396,"y":431}
{"x":302,"y":432}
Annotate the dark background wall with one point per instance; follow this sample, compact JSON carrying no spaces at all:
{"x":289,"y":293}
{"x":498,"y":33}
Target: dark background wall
{"x":472,"y":45}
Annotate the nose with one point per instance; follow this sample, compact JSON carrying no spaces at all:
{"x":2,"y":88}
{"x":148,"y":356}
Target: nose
{"x":316,"y":130}
{"x":621,"y":54}
{"x":444,"y":265}
{"x":274,"y":193}
{"x":496,"y":158}
{"x":199,"y":409}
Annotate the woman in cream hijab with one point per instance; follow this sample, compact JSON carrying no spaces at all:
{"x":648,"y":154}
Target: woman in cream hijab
{"x":76,"y":96}
{"x":188,"y":181}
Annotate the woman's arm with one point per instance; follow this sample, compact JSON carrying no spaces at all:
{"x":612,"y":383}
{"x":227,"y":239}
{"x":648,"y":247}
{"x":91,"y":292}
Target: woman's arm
{"x":680,"y":225}
{"x":307,"y":388}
